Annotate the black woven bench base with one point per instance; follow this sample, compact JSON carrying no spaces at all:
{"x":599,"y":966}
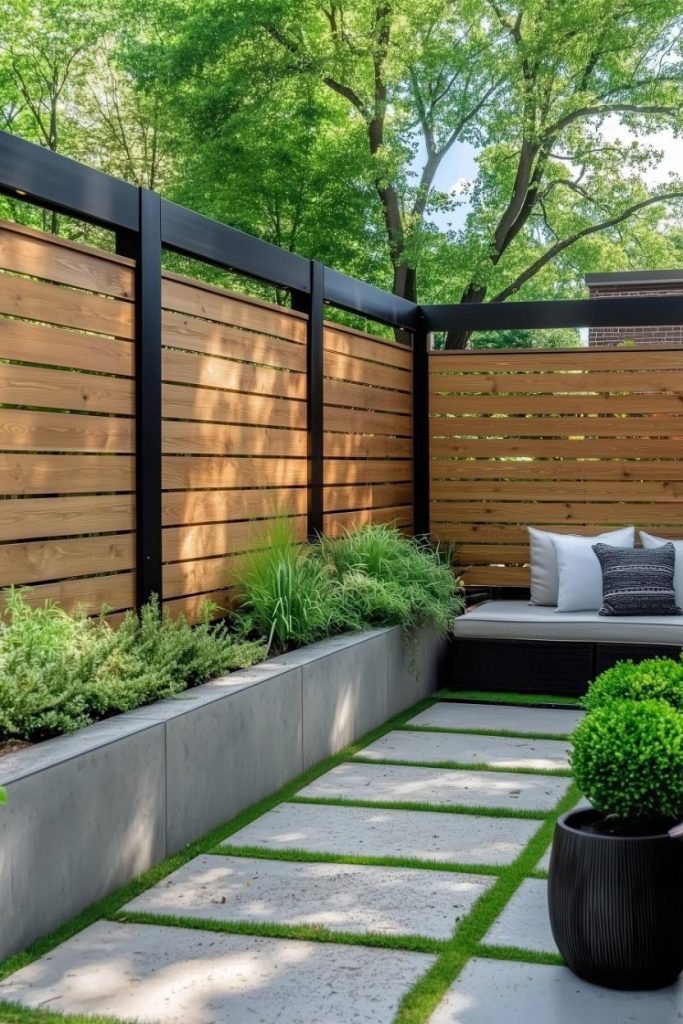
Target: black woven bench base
{"x":538,"y":666}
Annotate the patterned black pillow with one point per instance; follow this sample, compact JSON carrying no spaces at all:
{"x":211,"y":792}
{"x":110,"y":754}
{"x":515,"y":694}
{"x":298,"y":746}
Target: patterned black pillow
{"x":637,"y":581}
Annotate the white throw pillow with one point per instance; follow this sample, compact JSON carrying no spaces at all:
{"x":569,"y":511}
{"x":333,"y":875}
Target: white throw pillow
{"x":545,"y":580}
{"x":648,"y":541}
{"x":579,"y":571}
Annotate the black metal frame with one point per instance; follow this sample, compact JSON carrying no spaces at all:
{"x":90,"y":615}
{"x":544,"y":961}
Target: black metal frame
{"x":144,"y":223}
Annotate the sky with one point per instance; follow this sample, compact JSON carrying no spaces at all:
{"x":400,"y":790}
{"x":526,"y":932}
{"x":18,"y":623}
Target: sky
{"x":460,"y":166}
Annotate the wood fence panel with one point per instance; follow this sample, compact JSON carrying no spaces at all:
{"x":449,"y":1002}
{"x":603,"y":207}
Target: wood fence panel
{"x":368,"y":431}
{"x":575,"y":441}
{"x":67,"y":438}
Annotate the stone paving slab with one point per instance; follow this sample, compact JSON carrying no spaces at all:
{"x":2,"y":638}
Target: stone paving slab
{"x":152,"y":974}
{"x":377,"y":832}
{"x":505,"y":992}
{"x":405,"y":784}
{"x":342,"y":897}
{"x":524,"y":922}
{"x":498,"y":751}
{"x":451,"y":715}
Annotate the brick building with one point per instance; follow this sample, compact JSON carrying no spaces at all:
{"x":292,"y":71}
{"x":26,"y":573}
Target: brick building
{"x":641,"y":283}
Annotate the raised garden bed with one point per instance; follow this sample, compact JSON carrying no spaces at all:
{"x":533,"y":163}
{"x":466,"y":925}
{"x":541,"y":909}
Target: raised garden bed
{"x":89,"y":811}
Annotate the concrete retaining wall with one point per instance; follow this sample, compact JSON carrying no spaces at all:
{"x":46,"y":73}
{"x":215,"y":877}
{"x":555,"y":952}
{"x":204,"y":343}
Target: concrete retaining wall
{"x":90,"y":811}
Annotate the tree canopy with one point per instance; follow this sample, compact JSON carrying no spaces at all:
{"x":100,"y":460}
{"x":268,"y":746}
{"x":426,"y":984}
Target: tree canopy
{"x":327,"y":127}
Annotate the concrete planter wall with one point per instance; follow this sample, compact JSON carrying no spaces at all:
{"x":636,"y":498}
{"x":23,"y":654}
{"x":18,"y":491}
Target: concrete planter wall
{"x":90,"y":811}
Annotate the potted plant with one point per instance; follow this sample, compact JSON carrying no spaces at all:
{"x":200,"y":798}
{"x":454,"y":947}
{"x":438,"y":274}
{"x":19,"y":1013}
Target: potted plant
{"x":615,"y":884}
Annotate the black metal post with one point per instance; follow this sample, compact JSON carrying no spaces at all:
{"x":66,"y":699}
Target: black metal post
{"x":313,"y":303}
{"x":421,"y":465}
{"x":148,"y":399}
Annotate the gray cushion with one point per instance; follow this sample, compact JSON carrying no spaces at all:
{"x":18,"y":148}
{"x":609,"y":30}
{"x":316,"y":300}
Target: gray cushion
{"x":637,"y":581}
{"x":649,"y":541}
{"x":519,"y":620}
{"x":543,"y":560}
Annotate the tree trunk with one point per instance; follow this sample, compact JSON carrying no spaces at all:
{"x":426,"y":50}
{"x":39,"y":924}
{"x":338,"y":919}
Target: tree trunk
{"x":405,"y":286}
{"x":459,"y":339}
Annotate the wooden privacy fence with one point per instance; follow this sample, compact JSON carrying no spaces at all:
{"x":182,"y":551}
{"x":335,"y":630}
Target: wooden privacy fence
{"x":574,"y":441}
{"x":235,"y":444}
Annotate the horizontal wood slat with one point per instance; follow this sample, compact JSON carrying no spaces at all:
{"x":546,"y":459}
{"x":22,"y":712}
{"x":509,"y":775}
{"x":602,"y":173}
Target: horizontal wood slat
{"x":194,"y":472}
{"x":36,"y":561}
{"x":364,"y":446}
{"x":532,"y":490}
{"x":584,"y":360}
{"x":352,"y":368}
{"x":643,"y":381}
{"x":506,"y":534}
{"x":361,"y":396}
{"x":182,"y":367}
{"x":183,"y":295}
{"x":370,"y":471}
{"x":25,"y":251}
{"x":227,"y":342}
{"x":65,"y":474}
{"x":189,"y":507}
{"x":372,"y":496}
{"x":572,"y":405}
{"x":63,"y":389}
{"x":556,"y":469}
{"x":90,"y":593}
{"x":338,"y":418}
{"x":186,"y":543}
{"x":601,"y":448}
{"x":66,"y":516}
{"x":62,"y":307}
{"x":23,"y":430}
{"x":557,"y":426}
{"x":55,"y":346}
{"x":215,"y":438}
{"x":347,"y":342}
{"x":209,"y":405}
{"x":337,"y":523}
{"x":527,"y":512}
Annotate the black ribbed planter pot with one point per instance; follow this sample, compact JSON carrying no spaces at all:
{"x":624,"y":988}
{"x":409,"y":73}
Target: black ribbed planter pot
{"x":616,"y":904}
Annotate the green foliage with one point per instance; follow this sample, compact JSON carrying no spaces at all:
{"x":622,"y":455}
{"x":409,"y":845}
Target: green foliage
{"x":297,"y":593}
{"x":627,"y":757}
{"x":59,"y":672}
{"x":287,"y":591}
{"x":655,"y":678}
{"x":388,"y":579}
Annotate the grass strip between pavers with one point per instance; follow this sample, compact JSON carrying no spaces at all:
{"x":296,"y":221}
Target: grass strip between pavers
{"x":517,"y":953}
{"x":524,"y":700}
{"x":507,"y":733}
{"x":463,"y":766}
{"x":302,"y":932}
{"x":418,"y":1005}
{"x":308,"y":857}
{"x":452,"y":954}
{"x":418,"y":805}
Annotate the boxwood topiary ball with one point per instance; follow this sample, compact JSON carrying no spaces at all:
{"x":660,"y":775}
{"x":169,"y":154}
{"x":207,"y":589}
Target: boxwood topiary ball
{"x":660,"y":678}
{"x":627,"y":758}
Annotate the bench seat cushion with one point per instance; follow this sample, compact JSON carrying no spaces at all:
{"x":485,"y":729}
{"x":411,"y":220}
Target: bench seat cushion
{"x":519,"y":620}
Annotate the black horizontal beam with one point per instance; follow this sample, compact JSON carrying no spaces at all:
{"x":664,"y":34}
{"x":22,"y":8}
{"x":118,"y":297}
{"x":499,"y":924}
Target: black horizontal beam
{"x":648,"y":311}
{"x":201,"y":238}
{"x":366,"y":300}
{"x":48,"y":179}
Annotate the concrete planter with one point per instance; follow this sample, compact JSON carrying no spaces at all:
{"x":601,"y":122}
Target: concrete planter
{"x":90,"y":811}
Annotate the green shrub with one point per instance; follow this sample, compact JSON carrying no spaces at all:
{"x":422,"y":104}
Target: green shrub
{"x":287,"y":591}
{"x":627,"y":758}
{"x":389,"y":579}
{"x":59,"y":672}
{"x":660,"y":678}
